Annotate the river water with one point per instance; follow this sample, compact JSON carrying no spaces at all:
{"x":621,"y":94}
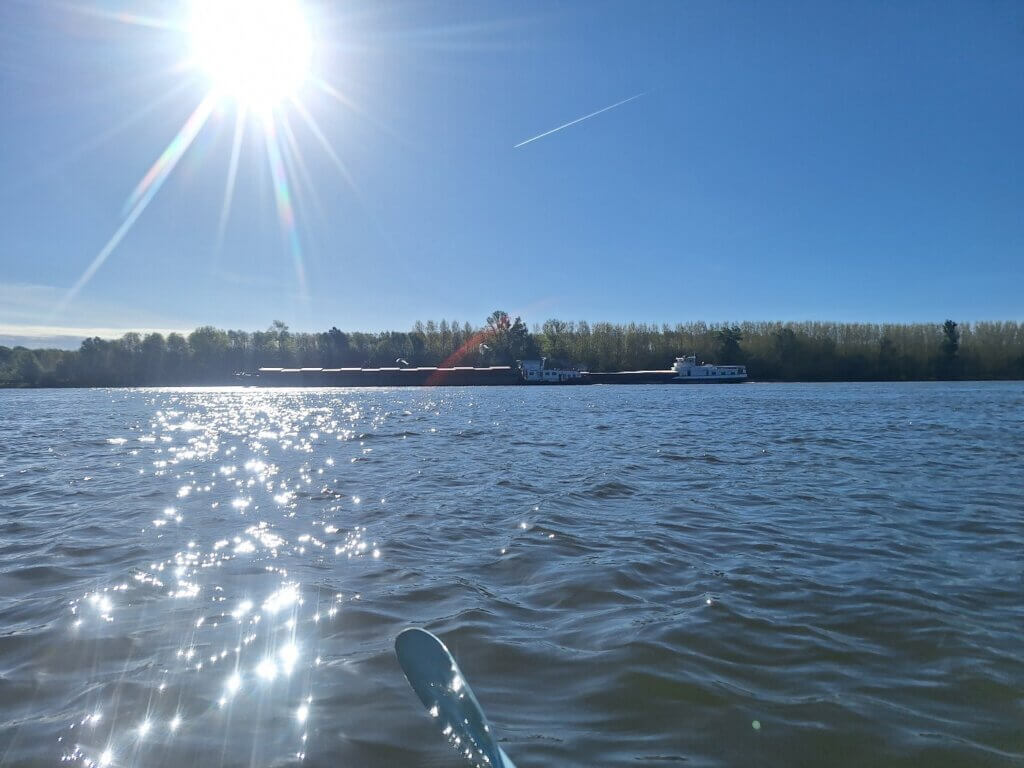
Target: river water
{"x":755,"y":575}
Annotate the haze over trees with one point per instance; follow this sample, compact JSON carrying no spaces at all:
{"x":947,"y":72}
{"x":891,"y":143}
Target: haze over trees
{"x":811,"y":351}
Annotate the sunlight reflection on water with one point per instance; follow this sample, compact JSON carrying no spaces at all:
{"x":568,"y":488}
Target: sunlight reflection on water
{"x":216,"y":577}
{"x":263,"y":631}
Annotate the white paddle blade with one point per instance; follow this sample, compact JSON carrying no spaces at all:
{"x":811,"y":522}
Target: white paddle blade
{"x":440,"y":685}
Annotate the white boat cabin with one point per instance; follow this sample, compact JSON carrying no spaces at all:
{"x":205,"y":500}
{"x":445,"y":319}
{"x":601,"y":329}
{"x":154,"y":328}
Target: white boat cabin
{"x":687,"y":368}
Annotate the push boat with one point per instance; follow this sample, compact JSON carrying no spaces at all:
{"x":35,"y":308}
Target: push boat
{"x":688,"y":372}
{"x":685,"y":370}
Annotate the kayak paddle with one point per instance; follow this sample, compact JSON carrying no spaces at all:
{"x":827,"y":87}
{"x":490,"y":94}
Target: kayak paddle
{"x":437,"y":680}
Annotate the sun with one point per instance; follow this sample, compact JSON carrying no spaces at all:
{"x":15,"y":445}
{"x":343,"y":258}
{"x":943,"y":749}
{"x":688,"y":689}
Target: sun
{"x":259,"y":55}
{"x":255,"y":52}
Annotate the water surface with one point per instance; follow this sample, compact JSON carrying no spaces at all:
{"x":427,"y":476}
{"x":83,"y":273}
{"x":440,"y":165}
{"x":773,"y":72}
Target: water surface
{"x":770,"y":575}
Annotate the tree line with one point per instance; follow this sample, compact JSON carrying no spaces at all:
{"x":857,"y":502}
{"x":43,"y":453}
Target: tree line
{"x":809,"y":351}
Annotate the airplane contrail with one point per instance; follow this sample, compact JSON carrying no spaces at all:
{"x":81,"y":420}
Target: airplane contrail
{"x":579,"y":120}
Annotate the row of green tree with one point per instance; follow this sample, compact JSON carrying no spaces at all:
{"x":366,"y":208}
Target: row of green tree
{"x":809,"y":351}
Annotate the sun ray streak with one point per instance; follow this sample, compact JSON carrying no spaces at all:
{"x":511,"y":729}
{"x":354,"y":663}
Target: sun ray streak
{"x":282,"y":196}
{"x":345,"y":101}
{"x":152,"y":183}
{"x":319,"y":134}
{"x":56,"y":163}
{"x":330,"y":90}
{"x":170,"y":156}
{"x":124,"y":18}
{"x":296,"y":165}
{"x":229,"y":188}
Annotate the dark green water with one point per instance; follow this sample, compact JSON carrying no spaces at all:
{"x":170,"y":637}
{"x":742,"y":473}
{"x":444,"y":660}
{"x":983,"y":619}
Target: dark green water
{"x":757,"y":575}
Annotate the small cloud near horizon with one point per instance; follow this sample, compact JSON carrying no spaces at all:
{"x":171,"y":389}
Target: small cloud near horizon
{"x":67,"y":337}
{"x":25,"y":319}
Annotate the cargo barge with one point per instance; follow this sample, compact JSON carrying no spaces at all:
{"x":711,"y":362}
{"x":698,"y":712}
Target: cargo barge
{"x":685,"y":370}
{"x":629,"y":377}
{"x":527,"y":372}
{"x":460,"y":376}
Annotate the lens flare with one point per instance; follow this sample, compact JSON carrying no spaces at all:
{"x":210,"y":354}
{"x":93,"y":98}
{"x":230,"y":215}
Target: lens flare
{"x":257,"y":54}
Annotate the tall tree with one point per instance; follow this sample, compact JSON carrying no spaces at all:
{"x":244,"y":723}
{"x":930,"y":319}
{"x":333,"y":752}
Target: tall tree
{"x":950,"y":339}
{"x":729,"y":339}
{"x":948,"y":366}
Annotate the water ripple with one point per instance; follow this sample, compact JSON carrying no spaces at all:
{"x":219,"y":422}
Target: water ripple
{"x":768,"y":575}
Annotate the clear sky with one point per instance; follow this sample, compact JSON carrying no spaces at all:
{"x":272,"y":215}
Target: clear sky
{"x":858,"y":161}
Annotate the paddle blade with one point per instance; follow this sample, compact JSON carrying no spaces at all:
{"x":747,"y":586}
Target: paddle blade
{"x":441,"y":686}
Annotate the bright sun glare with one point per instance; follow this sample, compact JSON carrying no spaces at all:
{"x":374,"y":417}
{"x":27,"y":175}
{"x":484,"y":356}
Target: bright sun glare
{"x":256,"y":52}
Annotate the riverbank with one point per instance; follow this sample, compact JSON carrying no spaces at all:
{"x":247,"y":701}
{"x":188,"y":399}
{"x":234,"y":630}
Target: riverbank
{"x":811,"y":351}
{"x":606,"y":380}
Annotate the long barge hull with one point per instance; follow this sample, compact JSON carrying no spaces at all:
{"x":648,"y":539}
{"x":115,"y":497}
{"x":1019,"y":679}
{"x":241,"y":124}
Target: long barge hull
{"x":382,"y":377}
{"x":629,"y":377}
{"x":447,"y":377}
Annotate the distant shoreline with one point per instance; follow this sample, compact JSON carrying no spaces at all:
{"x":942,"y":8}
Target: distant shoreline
{"x":717,"y":385}
{"x":771,"y":351}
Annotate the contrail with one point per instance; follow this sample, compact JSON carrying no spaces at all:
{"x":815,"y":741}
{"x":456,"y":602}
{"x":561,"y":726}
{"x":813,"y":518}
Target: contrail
{"x":579,"y":120}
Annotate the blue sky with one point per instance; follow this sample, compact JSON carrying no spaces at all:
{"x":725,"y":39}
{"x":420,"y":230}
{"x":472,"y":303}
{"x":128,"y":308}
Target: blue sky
{"x":787,"y":161}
